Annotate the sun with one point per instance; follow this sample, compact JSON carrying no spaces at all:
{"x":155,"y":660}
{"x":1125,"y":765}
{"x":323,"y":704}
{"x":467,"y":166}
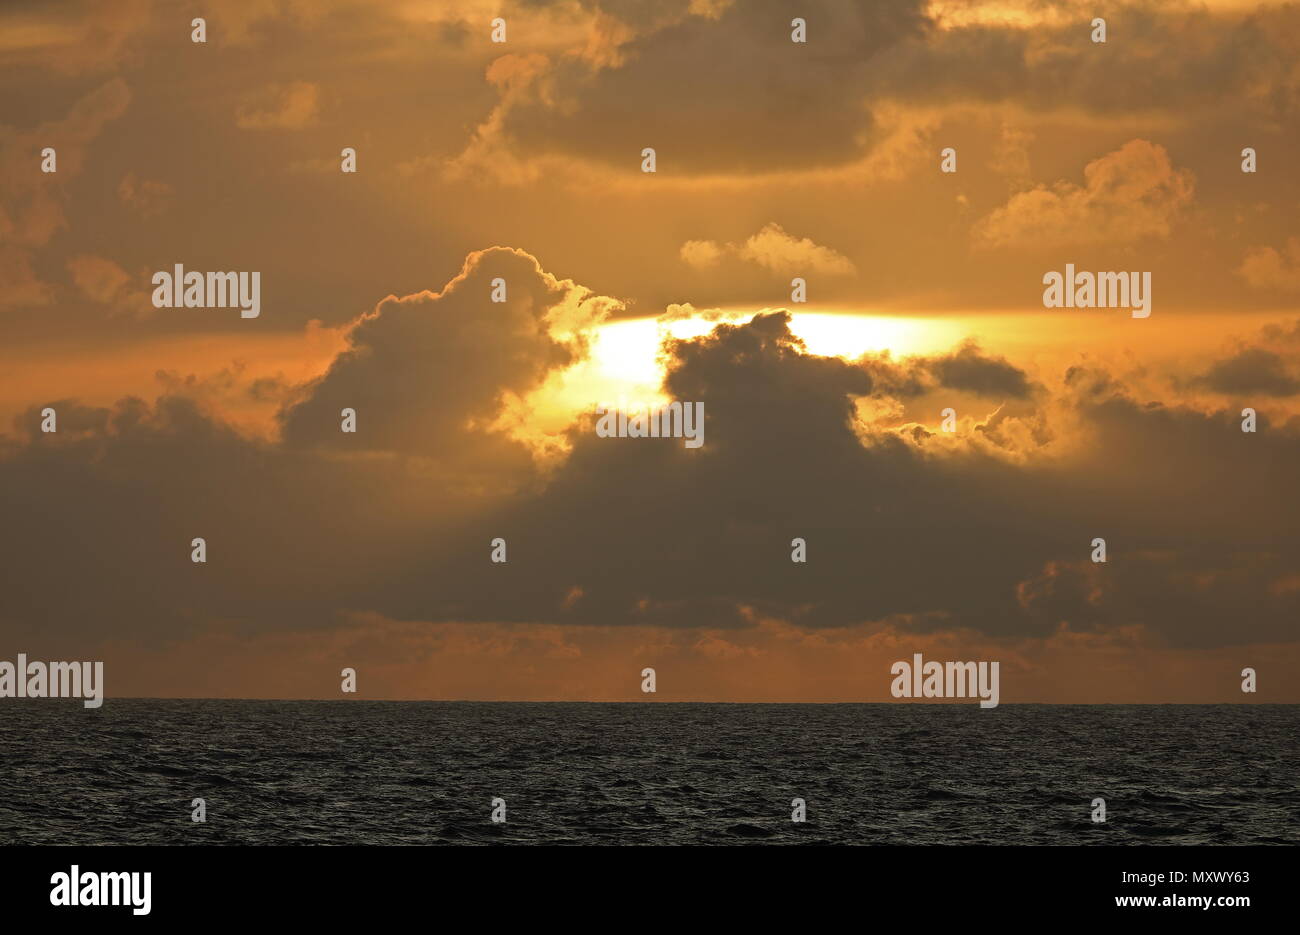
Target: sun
{"x":625,"y":366}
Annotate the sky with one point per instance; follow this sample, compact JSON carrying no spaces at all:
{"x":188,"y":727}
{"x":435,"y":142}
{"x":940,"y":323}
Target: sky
{"x":523,"y":161}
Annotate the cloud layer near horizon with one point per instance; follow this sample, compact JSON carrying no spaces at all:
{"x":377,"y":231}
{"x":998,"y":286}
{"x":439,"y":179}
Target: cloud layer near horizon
{"x":986,"y":530}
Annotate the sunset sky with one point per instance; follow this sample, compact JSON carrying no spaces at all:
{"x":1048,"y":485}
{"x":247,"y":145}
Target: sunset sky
{"x":775,"y":160}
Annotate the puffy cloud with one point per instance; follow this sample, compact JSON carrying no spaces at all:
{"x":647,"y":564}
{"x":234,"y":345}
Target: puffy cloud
{"x":430,"y":373}
{"x":702,"y":254}
{"x":773,"y":249}
{"x":1128,"y":195}
{"x":1269,"y":268}
{"x":776,"y":250}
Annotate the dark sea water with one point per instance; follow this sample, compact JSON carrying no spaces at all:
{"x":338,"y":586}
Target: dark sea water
{"x":360,"y":772}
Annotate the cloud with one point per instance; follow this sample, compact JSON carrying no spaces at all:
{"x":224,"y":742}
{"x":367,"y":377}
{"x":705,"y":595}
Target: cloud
{"x":698,"y":68}
{"x":773,"y":249}
{"x":1131,"y":194}
{"x":970,"y":370}
{"x":776,"y":250}
{"x":459,"y":350}
{"x":1268,"y":268}
{"x":292,"y":106}
{"x":703,"y":254}
{"x":32,"y":201}
{"x":967,"y":369}
{"x":1250,"y":371}
{"x":31,"y":209}
{"x":903,"y":523}
{"x":104,"y":282}
{"x":785,"y":456}
{"x":73,"y":38}
{"x":734,"y":97}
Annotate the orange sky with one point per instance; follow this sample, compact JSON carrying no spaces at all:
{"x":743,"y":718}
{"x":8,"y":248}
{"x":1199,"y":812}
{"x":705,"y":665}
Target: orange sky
{"x":523,"y":160}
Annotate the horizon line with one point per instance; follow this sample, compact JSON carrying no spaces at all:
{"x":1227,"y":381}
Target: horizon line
{"x":928,"y":704}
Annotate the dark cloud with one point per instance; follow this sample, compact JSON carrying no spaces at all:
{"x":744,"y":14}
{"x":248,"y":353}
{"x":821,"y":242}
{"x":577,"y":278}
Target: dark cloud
{"x":100,"y":518}
{"x":1250,"y":371}
{"x":1157,"y":56}
{"x":968,"y":369}
{"x":894,"y":528}
{"x":1192,"y":590}
{"x":732,"y":94}
{"x":70,"y":416}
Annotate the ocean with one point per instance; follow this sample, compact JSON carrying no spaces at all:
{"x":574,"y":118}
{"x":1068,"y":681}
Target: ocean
{"x":375,"y":772}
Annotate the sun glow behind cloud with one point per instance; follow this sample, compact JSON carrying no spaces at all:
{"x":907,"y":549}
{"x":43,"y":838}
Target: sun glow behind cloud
{"x":625,"y":366}
{"x":626,"y":354}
